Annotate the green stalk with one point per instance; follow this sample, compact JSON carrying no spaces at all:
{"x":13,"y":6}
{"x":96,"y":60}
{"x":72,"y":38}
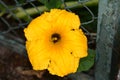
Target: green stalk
{"x":30,"y":11}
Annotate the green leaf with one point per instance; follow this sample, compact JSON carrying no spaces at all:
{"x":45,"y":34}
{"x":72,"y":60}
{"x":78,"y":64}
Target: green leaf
{"x":87,"y":62}
{"x":52,"y":3}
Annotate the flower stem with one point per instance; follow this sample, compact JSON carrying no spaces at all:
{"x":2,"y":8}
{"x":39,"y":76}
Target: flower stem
{"x":30,"y":11}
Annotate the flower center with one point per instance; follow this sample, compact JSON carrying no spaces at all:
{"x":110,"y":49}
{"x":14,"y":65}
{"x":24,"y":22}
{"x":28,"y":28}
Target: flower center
{"x":55,"y":37}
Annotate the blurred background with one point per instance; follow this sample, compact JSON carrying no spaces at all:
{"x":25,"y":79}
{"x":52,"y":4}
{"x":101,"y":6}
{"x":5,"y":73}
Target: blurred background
{"x":15,"y":15}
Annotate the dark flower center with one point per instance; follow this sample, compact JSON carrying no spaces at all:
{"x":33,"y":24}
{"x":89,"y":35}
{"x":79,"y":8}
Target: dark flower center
{"x":55,"y":37}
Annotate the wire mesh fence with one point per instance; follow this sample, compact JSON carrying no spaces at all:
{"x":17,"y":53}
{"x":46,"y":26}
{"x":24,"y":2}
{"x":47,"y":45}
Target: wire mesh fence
{"x":16,"y":10}
{"x":15,"y":15}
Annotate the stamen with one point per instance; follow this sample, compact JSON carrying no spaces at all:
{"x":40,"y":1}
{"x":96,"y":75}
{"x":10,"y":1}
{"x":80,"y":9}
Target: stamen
{"x":55,"y":37}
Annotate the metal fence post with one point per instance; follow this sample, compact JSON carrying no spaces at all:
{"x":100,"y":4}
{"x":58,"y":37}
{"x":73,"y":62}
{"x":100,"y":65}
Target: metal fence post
{"x":107,"y":30}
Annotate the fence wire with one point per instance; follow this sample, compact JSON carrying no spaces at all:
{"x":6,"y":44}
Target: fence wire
{"x":15,"y":15}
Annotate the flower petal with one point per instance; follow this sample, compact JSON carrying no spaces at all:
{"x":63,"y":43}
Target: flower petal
{"x":60,"y":58}
{"x":63,"y":17}
{"x":36,"y":26}
{"x":56,"y":16}
{"x":79,"y":46}
{"x":38,"y":55}
{"x":63,"y":63}
{"x":68,"y":19}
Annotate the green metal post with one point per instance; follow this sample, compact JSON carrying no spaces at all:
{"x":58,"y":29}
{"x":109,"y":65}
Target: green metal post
{"x":107,"y":29}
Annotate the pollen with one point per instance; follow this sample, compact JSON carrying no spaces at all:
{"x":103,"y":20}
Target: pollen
{"x":55,"y":37}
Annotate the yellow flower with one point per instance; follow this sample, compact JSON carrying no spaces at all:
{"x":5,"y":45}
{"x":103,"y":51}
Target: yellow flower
{"x":55,"y":42}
